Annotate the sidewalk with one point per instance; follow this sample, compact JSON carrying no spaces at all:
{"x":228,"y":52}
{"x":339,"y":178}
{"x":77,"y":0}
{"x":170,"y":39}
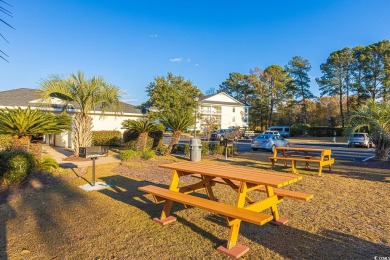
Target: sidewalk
{"x":60,"y":154}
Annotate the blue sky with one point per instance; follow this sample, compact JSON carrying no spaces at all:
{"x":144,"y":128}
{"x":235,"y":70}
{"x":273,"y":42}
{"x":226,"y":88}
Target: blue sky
{"x":131,"y":42}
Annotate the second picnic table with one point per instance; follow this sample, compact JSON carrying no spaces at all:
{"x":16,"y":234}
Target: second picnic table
{"x":242,"y":180}
{"x":322,"y":157}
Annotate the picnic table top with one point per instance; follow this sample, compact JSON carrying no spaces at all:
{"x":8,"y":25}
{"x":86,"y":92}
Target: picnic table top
{"x":238,"y":173}
{"x":302,"y":149}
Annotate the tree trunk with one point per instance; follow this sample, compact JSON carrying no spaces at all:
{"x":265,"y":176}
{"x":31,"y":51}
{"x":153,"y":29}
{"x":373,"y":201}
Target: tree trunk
{"x":21,"y":143}
{"x":142,"y":141}
{"x":82,"y":132}
{"x":381,"y":154}
{"x":175,"y":139}
{"x":341,"y":106}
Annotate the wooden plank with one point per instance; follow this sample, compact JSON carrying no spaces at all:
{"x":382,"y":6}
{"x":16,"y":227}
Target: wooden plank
{"x":280,"y":192}
{"x":236,"y":173}
{"x":301,"y":149}
{"x":257,"y":218}
{"x":289,"y":194}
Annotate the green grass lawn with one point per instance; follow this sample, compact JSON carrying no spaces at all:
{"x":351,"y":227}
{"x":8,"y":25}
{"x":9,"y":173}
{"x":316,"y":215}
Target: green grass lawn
{"x":348,"y":218}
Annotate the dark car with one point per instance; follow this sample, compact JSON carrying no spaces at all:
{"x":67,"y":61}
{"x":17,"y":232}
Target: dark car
{"x":221,"y":134}
{"x":360,"y":139}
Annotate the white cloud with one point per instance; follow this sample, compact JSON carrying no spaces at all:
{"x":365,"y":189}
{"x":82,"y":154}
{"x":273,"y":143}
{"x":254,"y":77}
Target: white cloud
{"x":153,"y":35}
{"x":180,"y":60}
{"x":176,"y":60}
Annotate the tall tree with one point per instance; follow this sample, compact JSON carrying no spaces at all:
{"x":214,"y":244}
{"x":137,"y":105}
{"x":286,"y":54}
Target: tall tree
{"x":357,"y":73}
{"x":332,"y":81}
{"x":22,"y":124}
{"x":87,"y":94}
{"x":275,"y":80}
{"x":374,"y":63}
{"x":298,"y":69}
{"x":175,"y":99}
{"x":237,"y":86}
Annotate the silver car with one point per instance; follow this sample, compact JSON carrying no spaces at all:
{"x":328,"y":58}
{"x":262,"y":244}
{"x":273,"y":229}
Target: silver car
{"x":360,"y":139}
{"x":268,"y":142}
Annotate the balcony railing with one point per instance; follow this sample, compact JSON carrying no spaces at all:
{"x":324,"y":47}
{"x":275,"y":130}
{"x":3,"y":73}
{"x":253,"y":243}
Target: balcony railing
{"x":209,"y":112}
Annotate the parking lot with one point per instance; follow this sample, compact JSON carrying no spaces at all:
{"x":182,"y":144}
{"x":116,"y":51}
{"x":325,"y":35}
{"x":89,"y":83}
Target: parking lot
{"x":340,"y":151}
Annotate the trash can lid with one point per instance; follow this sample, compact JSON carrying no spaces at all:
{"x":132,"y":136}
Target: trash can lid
{"x":195,"y":142}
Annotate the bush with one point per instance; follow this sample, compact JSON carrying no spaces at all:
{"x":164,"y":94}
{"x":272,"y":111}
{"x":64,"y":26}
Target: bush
{"x":48,"y":164}
{"x":299,"y":129}
{"x":148,"y":154}
{"x":113,"y":138}
{"x":15,"y":166}
{"x":155,"y":138}
{"x":217,"y":149}
{"x":129,"y":154}
{"x":187,"y":150}
{"x":323,"y":131}
{"x":5,"y":142}
{"x":205,"y":148}
{"x":162,"y":149}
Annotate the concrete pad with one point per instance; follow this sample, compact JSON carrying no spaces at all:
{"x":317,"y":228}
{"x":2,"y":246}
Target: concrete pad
{"x":235,"y":252}
{"x":98,"y":186}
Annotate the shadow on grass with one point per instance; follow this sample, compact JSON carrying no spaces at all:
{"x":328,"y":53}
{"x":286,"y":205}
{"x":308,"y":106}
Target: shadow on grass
{"x":126,"y":191}
{"x":370,"y":171}
{"x":38,"y":202}
{"x":294,"y":243}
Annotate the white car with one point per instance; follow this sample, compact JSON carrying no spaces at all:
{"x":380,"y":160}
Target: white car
{"x":268,"y":142}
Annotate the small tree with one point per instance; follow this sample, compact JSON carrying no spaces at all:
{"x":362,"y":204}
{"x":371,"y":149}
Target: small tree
{"x":142,"y":127}
{"x":210,"y":124}
{"x":179,"y":123}
{"x":21,"y":124}
{"x":87,"y":94}
{"x":377,"y":118}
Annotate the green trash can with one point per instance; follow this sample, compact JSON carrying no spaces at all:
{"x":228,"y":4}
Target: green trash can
{"x":195,"y":150}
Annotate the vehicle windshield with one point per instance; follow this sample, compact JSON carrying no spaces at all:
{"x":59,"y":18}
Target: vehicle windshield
{"x":262,"y":137}
{"x":358,"y":135}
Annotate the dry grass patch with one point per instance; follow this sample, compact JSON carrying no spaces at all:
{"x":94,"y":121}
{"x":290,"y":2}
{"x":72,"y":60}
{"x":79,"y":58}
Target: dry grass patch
{"x":347,"y":218}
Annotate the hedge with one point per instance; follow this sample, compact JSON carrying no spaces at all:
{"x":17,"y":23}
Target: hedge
{"x":155,"y":139}
{"x":113,"y":138}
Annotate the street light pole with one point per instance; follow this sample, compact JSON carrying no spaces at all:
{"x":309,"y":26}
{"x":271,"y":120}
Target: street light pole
{"x":196,"y":104}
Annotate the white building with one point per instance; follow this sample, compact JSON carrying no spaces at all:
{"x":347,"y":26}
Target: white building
{"x":227,"y":111}
{"x":24,"y":97}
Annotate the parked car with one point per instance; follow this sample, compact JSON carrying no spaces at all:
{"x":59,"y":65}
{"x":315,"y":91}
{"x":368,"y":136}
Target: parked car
{"x":271,"y":133}
{"x":268,"y":142}
{"x":360,"y":139}
{"x":220,"y":134}
{"x":283,"y":130}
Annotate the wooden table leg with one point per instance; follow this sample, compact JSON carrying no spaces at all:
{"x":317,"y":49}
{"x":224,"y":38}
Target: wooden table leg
{"x":165,"y":218}
{"x":232,"y":248}
{"x":274,"y":209}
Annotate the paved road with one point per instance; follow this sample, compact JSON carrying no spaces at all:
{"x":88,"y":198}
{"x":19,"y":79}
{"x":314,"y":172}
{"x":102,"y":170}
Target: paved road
{"x":340,"y":151}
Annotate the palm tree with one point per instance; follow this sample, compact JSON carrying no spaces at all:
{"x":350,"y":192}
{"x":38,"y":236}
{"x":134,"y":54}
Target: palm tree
{"x":377,"y":118}
{"x":21,"y":124}
{"x":87,"y":94}
{"x":179,"y":123}
{"x":143,"y":128}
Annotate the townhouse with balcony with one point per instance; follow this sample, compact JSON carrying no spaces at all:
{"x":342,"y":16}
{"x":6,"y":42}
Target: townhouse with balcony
{"x":226,"y":111}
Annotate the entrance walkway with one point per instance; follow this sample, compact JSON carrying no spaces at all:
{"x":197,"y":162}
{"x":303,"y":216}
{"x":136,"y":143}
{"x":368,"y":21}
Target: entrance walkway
{"x":60,"y":154}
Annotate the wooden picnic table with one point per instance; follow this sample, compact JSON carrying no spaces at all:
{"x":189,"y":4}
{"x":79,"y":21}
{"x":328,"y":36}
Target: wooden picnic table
{"x":322,"y":157}
{"x":241,"y":180}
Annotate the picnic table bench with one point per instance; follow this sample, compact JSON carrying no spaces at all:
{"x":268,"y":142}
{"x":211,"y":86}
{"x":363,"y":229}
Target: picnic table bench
{"x":240,"y":179}
{"x":322,"y":157}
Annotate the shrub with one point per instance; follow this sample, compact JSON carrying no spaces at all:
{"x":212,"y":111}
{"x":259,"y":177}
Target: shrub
{"x":217,"y":149}
{"x":148,"y":154}
{"x":299,"y":129}
{"x":187,"y":149}
{"x":205,"y":148}
{"x":162,"y":149}
{"x":15,"y":166}
{"x":129,"y":154}
{"x":48,"y":164}
{"x":5,"y":142}
{"x":155,"y":138}
{"x":113,"y":138}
